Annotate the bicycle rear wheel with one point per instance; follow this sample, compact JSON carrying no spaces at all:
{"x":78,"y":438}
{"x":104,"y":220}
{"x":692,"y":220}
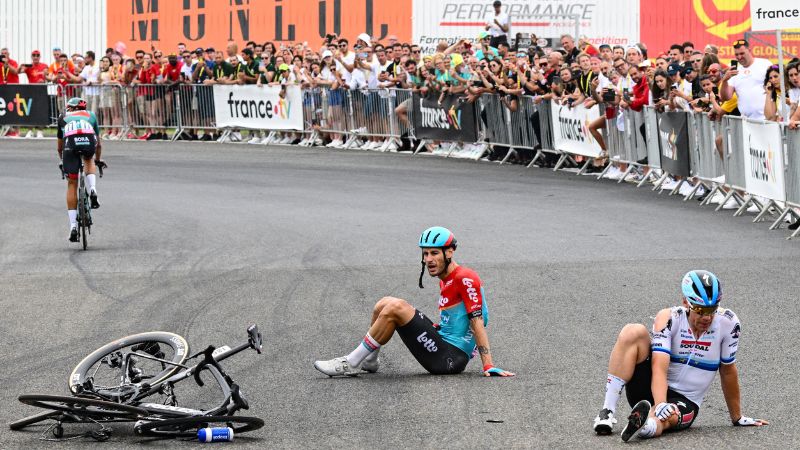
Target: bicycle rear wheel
{"x":82,"y":211}
{"x":116,"y":371}
{"x":84,"y":407}
{"x":30,"y":420}
{"x":188,"y":426}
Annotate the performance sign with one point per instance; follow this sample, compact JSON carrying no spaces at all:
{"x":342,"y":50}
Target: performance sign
{"x":259,"y":107}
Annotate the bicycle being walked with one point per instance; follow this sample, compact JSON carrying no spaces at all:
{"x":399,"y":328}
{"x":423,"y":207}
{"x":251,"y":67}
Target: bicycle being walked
{"x":77,"y":142}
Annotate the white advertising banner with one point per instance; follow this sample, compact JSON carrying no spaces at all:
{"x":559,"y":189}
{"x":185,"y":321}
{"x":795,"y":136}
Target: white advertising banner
{"x":571,"y":130}
{"x":768,"y":15}
{"x":601,"y":22}
{"x":258,"y":107}
{"x":763,"y":160}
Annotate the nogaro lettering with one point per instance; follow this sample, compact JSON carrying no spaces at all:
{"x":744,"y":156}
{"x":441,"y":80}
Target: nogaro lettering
{"x":21,"y":105}
{"x":761,"y":165}
{"x":571,"y":129}
{"x":436,"y":117}
{"x":428,"y":343}
{"x":471,"y":291}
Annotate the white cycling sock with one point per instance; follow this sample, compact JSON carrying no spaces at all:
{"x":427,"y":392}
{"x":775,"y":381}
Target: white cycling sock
{"x":614,"y":387}
{"x":649,"y":429}
{"x":91,"y":182}
{"x":368,"y":346}
{"x":73,"y":218}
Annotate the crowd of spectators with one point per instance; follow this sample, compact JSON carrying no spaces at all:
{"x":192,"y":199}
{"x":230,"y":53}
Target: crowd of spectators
{"x":682,"y":77}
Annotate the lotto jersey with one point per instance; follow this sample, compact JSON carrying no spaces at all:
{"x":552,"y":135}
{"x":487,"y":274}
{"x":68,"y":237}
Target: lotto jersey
{"x":693,"y":363}
{"x":75,"y":123}
{"x":462,"y":298}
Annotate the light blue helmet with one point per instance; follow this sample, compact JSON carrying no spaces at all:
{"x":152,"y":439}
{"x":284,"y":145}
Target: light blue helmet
{"x":701,"y":288}
{"x":437,"y":237}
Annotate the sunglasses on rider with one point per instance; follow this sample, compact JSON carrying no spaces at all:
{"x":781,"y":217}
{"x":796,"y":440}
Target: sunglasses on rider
{"x":703,"y":310}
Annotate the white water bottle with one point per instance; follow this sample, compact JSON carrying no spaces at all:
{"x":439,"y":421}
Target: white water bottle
{"x":215,"y":434}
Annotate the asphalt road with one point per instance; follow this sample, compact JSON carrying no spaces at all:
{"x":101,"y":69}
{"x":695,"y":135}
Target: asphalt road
{"x":204,"y":239}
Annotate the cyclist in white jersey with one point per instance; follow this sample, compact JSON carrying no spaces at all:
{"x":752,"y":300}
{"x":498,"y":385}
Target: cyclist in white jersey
{"x":674,"y":369}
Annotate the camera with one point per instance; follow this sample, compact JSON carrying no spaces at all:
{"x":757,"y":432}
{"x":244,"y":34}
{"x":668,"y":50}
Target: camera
{"x":734,"y":64}
{"x":608,"y":95}
{"x":675,"y":86}
{"x":2,"y":58}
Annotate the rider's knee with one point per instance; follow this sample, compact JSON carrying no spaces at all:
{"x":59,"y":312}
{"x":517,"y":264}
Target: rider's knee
{"x":393,"y":307}
{"x":633,"y":332}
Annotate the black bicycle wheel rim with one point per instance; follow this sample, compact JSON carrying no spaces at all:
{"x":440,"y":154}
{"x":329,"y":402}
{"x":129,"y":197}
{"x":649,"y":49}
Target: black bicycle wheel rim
{"x":84,"y":407}
{"x":30,"y":420}
{"x":82,"y":211}
{"x":188,"y":426}
{"x":179,"y":352}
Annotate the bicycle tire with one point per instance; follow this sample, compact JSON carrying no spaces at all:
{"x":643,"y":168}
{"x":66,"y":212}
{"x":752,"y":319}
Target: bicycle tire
{"x":82,"y":210}
{"x":84,"y":407}
{"x":180,"y":351}
{"x":188,"y":426}
{"x":30,"y":420}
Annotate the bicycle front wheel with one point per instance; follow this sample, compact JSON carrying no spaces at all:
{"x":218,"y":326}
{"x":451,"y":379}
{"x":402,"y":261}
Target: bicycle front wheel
{"x":188,"y":426}
{"x":83,"y":218}
{"x":84,"y":407}
{"x":117,"y":370}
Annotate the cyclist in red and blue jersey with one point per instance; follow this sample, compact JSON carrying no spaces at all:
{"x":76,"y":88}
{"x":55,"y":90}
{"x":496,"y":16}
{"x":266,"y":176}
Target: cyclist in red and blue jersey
{"x":77,"y":140}
{"x":443,"y":348}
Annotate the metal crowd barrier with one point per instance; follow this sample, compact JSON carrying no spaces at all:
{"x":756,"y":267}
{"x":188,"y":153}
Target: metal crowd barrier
{"x":791,"y":180}
{"x":196,"y":106}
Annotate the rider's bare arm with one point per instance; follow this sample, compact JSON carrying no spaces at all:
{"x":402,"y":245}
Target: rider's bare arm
{"x":660,"y":359}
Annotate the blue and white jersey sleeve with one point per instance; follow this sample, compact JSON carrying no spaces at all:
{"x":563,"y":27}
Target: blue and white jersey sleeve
{"x":731,"y":330}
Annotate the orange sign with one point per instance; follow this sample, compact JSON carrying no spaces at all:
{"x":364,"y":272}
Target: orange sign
{"x":140,"y":24}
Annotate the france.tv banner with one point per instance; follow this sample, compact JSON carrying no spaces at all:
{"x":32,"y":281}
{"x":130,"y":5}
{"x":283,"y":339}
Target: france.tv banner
{"x":24,"y":105}
{"x":451,"y":120}
{"x":259,"y":107}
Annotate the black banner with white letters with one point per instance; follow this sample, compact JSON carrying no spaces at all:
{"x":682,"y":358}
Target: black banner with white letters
{"x":451,"y":120}
{"x":673,"y":140}
{"x":24,"y":104}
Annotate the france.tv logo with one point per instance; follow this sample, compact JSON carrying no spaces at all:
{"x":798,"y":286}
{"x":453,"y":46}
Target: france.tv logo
{"x":18,"y":105}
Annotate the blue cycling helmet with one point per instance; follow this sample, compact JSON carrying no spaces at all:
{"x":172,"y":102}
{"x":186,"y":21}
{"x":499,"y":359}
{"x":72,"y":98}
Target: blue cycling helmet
{"x":701,"y":288}
{"x":436,"y":237}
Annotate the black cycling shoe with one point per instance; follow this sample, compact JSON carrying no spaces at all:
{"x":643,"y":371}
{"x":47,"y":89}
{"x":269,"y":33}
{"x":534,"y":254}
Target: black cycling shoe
{"x":636,"y":420}
{"x":73,"y":235}
{"x":93,"y":199}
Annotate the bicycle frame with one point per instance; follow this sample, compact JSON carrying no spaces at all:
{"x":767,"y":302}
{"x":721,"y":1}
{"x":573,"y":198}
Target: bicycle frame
{"x":233,"y":401}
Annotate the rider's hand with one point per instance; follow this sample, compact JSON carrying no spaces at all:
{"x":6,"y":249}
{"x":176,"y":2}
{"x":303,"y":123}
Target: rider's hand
{"x":665,"y":410}
{"x":749,"y":422}
{"x":492,"y":371}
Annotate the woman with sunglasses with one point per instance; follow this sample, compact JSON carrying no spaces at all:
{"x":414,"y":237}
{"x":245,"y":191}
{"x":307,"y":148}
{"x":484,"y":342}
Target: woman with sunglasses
{"x":666,"y":373}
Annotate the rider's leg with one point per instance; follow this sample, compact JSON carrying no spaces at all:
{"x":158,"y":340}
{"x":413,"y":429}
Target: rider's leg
{"x":388,"y":314}
{"x":90,"y":170}
{"x":72,"y":202}
{"x":632,"y":348}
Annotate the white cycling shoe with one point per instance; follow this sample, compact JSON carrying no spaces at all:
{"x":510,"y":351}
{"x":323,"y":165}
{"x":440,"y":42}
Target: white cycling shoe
{"x":336,"y":367}
{"x":604,"y":422}
{"x":371,"y":365}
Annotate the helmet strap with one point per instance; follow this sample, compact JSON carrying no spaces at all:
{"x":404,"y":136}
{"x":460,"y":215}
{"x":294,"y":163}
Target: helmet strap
{"x":421,"y":273}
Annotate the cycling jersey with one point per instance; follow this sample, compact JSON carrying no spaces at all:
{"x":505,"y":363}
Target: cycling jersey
{"x":462,"y":298}
{"x":76,"y":123}
{"x":693,"y":363}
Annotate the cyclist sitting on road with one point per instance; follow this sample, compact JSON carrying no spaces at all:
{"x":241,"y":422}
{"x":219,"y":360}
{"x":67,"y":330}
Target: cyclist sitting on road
{"x":674,"y":369}
{"x":77,"y":138}
{"x":441,"y":349}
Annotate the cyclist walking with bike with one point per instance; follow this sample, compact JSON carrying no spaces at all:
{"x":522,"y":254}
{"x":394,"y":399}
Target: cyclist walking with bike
{"x":77,"y":141}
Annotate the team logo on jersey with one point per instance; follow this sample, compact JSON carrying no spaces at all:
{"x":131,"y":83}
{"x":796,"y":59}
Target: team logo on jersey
{"x":428,"y":343}
{"x":668,"y":326}
{"x":471,"y":291}
{"x":443,"y":301}
{"x":699,"y":345}
{"x":735,"y":332}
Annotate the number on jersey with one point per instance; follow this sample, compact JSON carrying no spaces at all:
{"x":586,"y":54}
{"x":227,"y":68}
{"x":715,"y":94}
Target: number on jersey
{"x":74,"y":127}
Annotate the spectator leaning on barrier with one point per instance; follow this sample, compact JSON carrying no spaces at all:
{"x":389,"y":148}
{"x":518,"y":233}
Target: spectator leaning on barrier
{"x":793,"y":84}
{"x":571,"y":51}
{"x":680,"y":91}
{"x":89,"y":78}
{"x":746,"y":79}
{"x":774,"y":97}
{"x":36,"y":71}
